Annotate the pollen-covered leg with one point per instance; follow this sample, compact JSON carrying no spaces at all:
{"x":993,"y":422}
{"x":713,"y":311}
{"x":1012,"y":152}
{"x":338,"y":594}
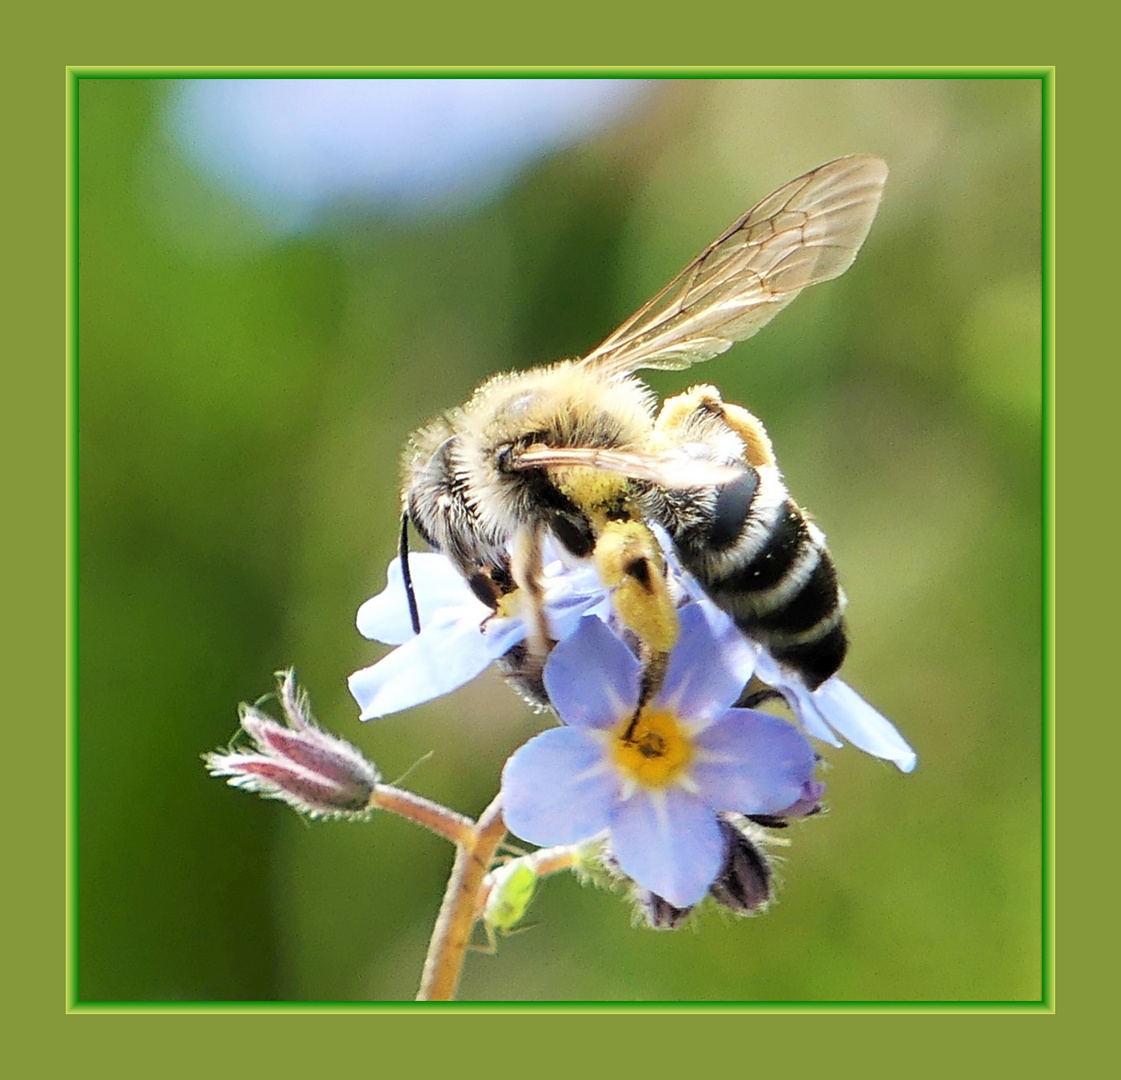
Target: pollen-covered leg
{"x":630,"y":562}
{"x":701,"y":415}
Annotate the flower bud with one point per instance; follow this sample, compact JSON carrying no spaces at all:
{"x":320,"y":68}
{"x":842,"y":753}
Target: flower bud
{"x":657,"y":912}
{"x":809,"y":803}
{"x":744,"y":884}
{"x":300,"y":764}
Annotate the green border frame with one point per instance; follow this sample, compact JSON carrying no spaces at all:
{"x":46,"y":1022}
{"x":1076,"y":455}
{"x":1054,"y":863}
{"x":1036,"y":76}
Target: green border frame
{"x":1046,"y":74}
{"x":71,"y":540}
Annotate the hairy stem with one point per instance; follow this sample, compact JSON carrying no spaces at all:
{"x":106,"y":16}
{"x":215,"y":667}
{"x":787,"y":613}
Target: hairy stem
{"x":430,"y":815}
{"x":452,"y":934}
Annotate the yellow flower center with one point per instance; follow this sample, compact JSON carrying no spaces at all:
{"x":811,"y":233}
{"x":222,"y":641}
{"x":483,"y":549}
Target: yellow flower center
{"x":654,"y":748}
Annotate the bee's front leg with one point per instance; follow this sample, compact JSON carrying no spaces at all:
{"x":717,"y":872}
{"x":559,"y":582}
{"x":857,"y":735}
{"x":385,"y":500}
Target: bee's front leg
{"x":526,"y":570}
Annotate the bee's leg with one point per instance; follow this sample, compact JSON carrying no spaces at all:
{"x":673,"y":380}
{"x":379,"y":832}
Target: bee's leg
{"x":701,"y":415}
{"x":526,"y":570}
{"x":757,"y":443}
{"x":629,"y":561}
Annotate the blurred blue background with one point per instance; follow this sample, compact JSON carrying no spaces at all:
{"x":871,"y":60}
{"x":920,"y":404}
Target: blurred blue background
{"x":279,"y":279}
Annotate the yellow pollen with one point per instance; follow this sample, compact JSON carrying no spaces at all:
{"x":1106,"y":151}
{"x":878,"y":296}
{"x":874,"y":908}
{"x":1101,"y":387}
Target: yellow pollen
{"x":656,"y":751}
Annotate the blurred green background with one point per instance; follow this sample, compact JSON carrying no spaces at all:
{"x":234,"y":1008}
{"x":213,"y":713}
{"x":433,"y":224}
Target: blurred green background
{"x":244,"y":388}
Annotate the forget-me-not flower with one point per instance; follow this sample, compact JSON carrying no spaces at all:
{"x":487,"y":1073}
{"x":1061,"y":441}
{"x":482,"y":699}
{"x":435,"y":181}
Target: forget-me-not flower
{"x":460,"y":636}
{"x":654,"y":777}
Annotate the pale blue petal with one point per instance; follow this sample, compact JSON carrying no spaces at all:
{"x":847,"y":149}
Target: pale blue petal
{"x":705,"y":675}
{"x":670,"y":843}
{"x":436,"y":584}
{"x":442,"y":658}
{"x":752,"y":763}
{"x":836,"y":706}
{"x":558,"y":788}
{"x":854,"y":719}
{"x":561,"y":579}
{"x":565,"y":612}
{"x":726,"y":632}
{"x":592,"y":678}
{"x":798,"y":696}
{"x":570,"y":593}
{"x":565,"y":617}
{"x":501,"y":635}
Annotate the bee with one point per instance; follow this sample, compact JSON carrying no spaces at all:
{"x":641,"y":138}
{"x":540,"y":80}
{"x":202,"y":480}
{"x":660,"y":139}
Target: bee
{"x":580,"y":452}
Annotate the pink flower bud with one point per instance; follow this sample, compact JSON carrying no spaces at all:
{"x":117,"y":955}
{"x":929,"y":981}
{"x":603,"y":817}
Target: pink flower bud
{"x":314,"y":772}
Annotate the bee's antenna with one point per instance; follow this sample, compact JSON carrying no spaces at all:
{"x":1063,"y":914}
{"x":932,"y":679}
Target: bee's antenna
{"x":403,"y":552}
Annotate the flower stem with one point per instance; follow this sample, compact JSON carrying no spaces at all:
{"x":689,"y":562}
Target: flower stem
{"x":553,"y":860}
{"x":430,"y":815}
{"x":474,"y":855}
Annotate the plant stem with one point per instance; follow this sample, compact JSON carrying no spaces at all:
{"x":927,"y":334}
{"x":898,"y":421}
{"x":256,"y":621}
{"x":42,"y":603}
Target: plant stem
{"x":452,"y":933}
{"x":430,"y":815}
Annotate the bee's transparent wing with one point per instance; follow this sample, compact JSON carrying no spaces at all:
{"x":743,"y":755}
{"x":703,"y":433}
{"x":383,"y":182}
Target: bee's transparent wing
{"x":808,"y":231}
{"x":671,"y":469}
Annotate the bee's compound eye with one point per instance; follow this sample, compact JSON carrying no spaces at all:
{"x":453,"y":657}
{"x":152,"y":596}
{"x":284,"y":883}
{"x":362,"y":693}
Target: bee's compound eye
{"x":729,"y":512}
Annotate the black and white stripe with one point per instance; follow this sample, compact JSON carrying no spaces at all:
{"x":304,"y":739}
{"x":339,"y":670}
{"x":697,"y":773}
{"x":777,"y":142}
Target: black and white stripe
{"x":773,"y":574}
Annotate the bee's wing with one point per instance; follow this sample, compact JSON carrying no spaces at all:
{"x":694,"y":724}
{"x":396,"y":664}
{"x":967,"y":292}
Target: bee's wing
{"x":808,"y":231}
{"x":672,"y":469}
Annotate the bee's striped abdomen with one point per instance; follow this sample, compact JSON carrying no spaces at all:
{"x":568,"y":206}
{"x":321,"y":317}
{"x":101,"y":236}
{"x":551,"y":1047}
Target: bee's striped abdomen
{"x":775,"y":578}
{"x":788,"y":599}
{"x":747,"y":542}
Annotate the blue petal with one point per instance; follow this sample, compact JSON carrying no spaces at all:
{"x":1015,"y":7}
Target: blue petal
{"x":570,"y":594}
{"x":436,"y":584}
{"x":854,"y":719}
{"x":592,"y":678}
{"x":669,"y":842}
{"x":752,"y":763}
{"x":797,"y":695}
{"x":558,"y":788}
{"x":501,"y":635}
{"x":446,"y":654}
{"x":706,"y":674}
{"x":565,"y":616}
